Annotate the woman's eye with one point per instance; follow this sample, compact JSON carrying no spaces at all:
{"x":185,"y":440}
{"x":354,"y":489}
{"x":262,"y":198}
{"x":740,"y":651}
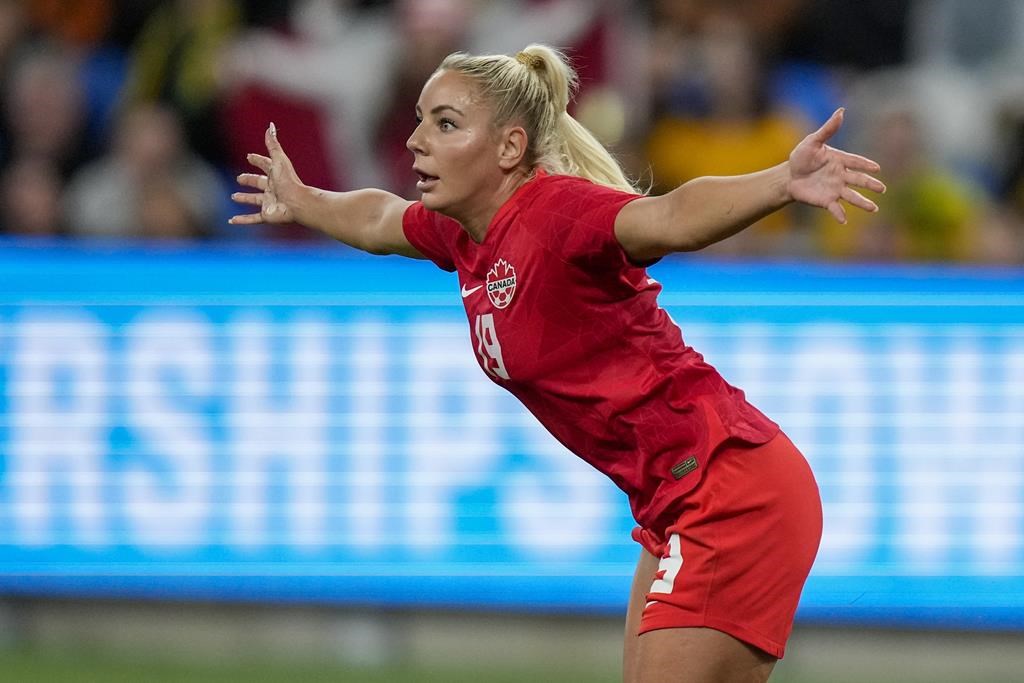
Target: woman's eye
{"x":447,"y":125}
{"x":419,"y":119}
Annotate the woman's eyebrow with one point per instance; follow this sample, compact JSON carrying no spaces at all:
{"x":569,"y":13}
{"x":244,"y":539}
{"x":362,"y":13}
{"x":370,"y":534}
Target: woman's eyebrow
{"x":441,"y":107}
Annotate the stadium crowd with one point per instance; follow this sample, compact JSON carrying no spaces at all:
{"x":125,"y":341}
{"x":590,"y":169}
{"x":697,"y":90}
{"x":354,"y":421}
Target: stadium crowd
{"x":130,"y":118}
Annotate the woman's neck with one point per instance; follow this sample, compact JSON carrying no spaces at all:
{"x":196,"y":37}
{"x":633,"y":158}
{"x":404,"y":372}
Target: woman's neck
{"x":476,"y":220}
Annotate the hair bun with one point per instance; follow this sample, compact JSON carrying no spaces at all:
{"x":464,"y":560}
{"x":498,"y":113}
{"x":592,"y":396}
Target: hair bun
{"x":530,"y":61}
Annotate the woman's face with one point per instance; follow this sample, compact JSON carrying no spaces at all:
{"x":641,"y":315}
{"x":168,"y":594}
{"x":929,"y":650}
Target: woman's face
{"x":455,"y":146}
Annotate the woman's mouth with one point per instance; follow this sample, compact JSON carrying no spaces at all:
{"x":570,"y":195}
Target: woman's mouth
{"x":425,"y":181}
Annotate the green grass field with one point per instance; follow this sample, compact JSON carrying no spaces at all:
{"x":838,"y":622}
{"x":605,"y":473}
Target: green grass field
{"x":76,"y":666}
{"x":82,"y":666}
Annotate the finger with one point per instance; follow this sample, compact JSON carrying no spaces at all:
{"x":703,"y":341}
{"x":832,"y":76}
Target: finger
{"x":270,"y":139}
{"x":254,"y":198}
{"x":246,"y":219}
{"x":830,"y":127}
{"x":259,"y":161}
{"x":856,"y":162}
{"x":864,"y":181}
{"x":837,"y":211}
{"x":857,"y":199}
{"x":253,"y":180}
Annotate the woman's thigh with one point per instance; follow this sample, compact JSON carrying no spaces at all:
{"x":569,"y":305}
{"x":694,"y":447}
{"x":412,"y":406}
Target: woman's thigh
{"x":646,"y":566}
{"x":684,"y":655}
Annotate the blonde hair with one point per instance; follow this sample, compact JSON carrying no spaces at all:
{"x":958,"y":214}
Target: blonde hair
{"x":533,"y":89}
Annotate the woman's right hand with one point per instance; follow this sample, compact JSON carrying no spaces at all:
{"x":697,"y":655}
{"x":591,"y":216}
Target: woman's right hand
{"x":278,"y":189}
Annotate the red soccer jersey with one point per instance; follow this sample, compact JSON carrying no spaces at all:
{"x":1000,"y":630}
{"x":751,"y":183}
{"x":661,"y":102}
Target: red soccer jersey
{"x":563,"y":319}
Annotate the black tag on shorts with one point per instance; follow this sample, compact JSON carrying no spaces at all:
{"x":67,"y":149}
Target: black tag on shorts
{"x":685,"y":467}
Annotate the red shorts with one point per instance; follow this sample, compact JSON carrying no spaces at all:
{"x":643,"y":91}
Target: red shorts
{"x":737,"y":556}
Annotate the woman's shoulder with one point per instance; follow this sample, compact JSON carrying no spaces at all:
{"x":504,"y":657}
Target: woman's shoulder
{"x":569,"y":190}
{"x":576,"y":217}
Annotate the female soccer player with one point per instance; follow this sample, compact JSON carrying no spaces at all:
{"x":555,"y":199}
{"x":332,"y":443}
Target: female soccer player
{"x":550,"y":242}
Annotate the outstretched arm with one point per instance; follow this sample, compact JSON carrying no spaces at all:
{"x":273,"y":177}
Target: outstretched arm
{"x":707,"y":210}
{"x":370,"y":220}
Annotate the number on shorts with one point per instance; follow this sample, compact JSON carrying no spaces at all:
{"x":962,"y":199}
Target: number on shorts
{"x":668,"y":568}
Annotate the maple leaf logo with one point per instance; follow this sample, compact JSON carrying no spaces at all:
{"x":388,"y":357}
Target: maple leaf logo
{"x":501,"y":283}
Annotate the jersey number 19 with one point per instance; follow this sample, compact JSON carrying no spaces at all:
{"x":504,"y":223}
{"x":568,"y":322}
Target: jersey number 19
{"x":487,"y":346}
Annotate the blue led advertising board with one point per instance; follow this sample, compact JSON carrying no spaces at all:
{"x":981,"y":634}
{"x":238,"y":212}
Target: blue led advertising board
{"x":306,"y":424}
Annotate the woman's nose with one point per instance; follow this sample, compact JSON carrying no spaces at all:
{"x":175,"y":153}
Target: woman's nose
{"x":414,"y":143}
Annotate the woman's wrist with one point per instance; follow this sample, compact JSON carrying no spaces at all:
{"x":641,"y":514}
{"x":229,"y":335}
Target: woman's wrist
{"x":781,"y":184}
{"x":302,"y":201}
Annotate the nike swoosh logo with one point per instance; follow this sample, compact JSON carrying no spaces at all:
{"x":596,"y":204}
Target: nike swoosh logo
{"x":467,"y":292}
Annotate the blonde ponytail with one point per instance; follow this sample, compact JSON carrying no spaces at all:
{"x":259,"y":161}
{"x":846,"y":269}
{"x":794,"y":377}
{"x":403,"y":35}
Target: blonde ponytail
{"x":583,"y":155}
{"x":534,"y":88}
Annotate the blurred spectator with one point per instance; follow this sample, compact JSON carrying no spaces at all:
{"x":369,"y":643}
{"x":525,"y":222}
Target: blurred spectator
{"x":966,"y":62}
{"x":91,"y":31}
{"x":13,"y":33}
{"x":266,"y":13}
{"x":76,"y":23}
{"x":115,"y":196}
{"x":30,"y":198}
{"x":866,"y":34}
{"x":710,"y":87}
{"x":1012,"y":127}
{"x":12,"y":30}
{"x":174,"y":62}
{"x":346,"y":59}
{"x":44,"y":108}
{"x":1003,"y":239}
{"x":129,"y":18}
{"x":84,"y":28}
{"x":927,"y":214}
{"x":771,"y":21}
{"x":795,"y":80}
{"x":311,"y":77}
{"x":968,"y":34}
{"x":716,"y":119}
{"x":167,"y":212}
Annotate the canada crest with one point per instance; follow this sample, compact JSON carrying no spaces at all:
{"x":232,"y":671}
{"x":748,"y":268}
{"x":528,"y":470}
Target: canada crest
{"x":501,"y":283}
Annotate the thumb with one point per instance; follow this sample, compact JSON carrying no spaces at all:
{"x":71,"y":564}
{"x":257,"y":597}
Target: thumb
{"x":829,"y":128}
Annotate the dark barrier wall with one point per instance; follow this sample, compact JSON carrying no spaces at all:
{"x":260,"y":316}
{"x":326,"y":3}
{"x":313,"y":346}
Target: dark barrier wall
{"x":312,"y":425}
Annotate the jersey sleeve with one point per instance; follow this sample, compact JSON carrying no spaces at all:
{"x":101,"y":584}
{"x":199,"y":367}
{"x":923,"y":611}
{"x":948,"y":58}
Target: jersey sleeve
{"x":591,"y":238}
{"x":429,"y":232}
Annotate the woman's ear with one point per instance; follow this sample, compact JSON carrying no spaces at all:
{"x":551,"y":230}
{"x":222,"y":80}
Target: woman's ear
{"x":512,"y":148}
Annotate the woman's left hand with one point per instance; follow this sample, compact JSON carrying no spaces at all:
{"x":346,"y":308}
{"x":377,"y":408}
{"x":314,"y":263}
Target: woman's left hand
{"x":820,"y":175}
